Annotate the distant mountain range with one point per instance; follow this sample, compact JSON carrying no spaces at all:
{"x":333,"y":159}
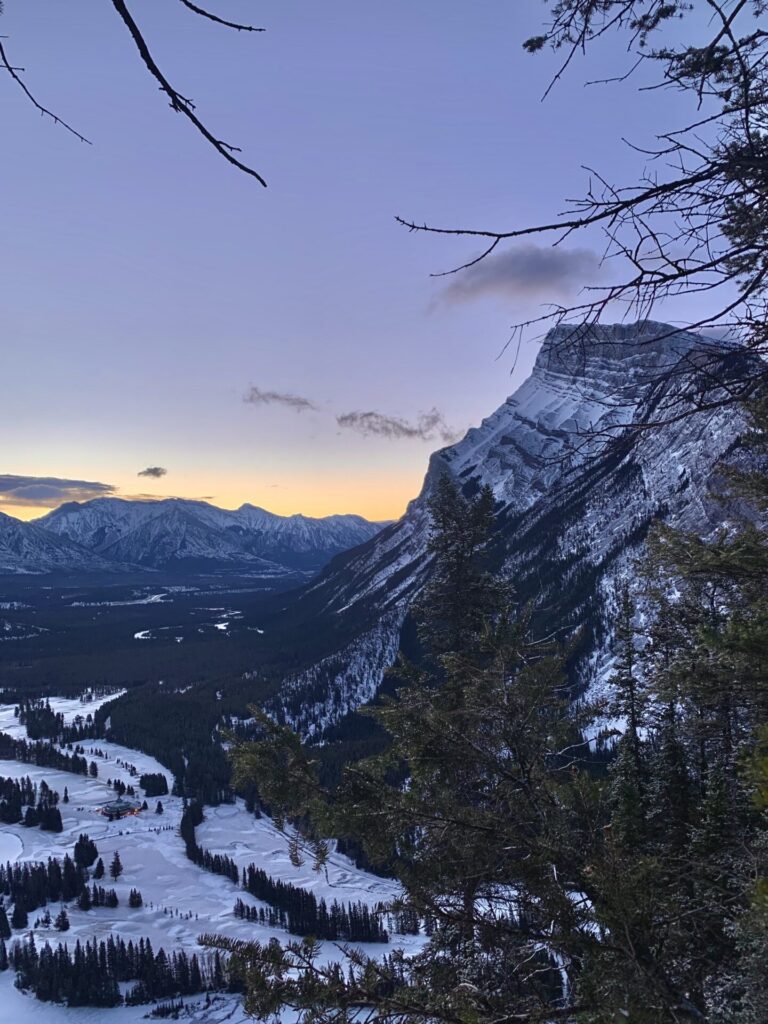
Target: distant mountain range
{"x":117,"y":535}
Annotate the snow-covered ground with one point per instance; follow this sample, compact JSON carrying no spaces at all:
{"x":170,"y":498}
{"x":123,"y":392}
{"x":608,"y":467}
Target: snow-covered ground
{"x":181,"y":900}
{"x":70,"y":707}
{"x":230,"y":829}
{"x":17,"y":1008}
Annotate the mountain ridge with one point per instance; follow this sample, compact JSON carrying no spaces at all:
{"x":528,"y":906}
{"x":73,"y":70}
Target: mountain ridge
{"x":120,"y":534}
{"x":577,"y":490}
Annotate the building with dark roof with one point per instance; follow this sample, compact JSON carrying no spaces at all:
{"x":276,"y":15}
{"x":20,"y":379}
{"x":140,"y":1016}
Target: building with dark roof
{"x":121,"y":807}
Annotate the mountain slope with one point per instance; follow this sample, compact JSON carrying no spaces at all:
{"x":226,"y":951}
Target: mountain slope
{"x":573,"y":506}
{"x":177,"y":534}
{"x":27,"y":549}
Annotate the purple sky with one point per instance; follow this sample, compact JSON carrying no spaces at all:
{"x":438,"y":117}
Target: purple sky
{"x":148,"y":287}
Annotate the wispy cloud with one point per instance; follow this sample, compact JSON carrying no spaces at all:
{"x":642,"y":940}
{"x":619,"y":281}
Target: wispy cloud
{"x":47,"y":491}
{"x":255,"y":396}
{"x":524,"y":272}
{"x":428,"y":426}
{"x":154,"y":471}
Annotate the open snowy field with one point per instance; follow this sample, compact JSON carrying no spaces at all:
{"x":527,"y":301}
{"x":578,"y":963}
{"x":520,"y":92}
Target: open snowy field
{"x":230,"y":829}
{"x":70,"y":707}
{"x":181,"y":900}
{"x":17,"y":1008}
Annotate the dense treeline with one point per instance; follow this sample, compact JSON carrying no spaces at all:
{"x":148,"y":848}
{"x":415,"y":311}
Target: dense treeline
{"x":177,"y":730}
{"x":32,"y":885}
{"x":154,"y":784}
{"x":40,"y":720}
{"x":45,"y":755}
{"x":91,"y":974}
{"x":41,"y":804}
{"x":216,"y":682}
{"x":58,"y":662}
{"x":303,"y":914}
{"x":192,"y":816}
{"x":97,"y":896}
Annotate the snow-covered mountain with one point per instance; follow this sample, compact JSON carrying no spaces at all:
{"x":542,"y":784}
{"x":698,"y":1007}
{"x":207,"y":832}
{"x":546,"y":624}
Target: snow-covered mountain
{"x":576,"y":495}
{"x":193,"y":535}
{"x":26,"y":548}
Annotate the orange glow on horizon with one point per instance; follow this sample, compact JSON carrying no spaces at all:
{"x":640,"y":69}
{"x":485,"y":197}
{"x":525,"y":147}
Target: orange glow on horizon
{"x":25,"y":512}
{"x":375,"y":500}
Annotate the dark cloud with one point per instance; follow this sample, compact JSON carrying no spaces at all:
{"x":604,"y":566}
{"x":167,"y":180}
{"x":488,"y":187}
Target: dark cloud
{"x":525,"y":272}
{"x":428,"y":426}
{"x":49,"y":490}
{"x":155,"y":471}
{"x":255,"y":396}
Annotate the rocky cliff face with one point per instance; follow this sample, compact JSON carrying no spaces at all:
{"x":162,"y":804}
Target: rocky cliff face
{"x":576,"y":492}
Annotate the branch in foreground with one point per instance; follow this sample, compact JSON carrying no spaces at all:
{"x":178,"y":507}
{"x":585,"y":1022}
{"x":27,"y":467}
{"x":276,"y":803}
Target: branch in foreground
{"x":219,"y":21}
{"x":44,"y":111}
{"x":178,"y":102}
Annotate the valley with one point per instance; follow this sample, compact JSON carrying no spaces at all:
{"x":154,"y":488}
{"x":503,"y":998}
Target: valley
{"x":180,"y":901}
{"x":177,"y":619}
{"x":384,"y":512}
{"x":575,"y":496}
{"x":57,"y":634}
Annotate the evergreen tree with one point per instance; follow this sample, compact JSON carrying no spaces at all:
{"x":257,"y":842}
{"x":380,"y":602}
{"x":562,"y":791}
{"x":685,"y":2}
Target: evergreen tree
{"x":98,"y":871}
{"x":85,"y":852}
{"x":116,"y":867}
{"x":627,"y":704}
{"x":461,"y":595}
{"x":485,"y":737}
{"x":5,"y":928}
{"x":639,"y":893}
{"x":19,"y":917}
{"x":50,"y":820}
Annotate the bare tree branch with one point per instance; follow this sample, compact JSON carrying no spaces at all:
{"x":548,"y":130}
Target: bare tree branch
{"x":219,"y":21}
{"x":178,"y":102}
{"x":14,"y":72}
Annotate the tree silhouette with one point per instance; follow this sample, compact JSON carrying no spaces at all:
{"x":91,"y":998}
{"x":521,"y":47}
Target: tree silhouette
{"x":116,"y":867}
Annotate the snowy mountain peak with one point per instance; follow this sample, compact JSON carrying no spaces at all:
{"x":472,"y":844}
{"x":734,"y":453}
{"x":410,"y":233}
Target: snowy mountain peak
{"x":175,"y":533}
{"x":27,"y":549}
{"x":586,"y":384}
{"x":576,"y":496}
{"x":568,"y":348}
